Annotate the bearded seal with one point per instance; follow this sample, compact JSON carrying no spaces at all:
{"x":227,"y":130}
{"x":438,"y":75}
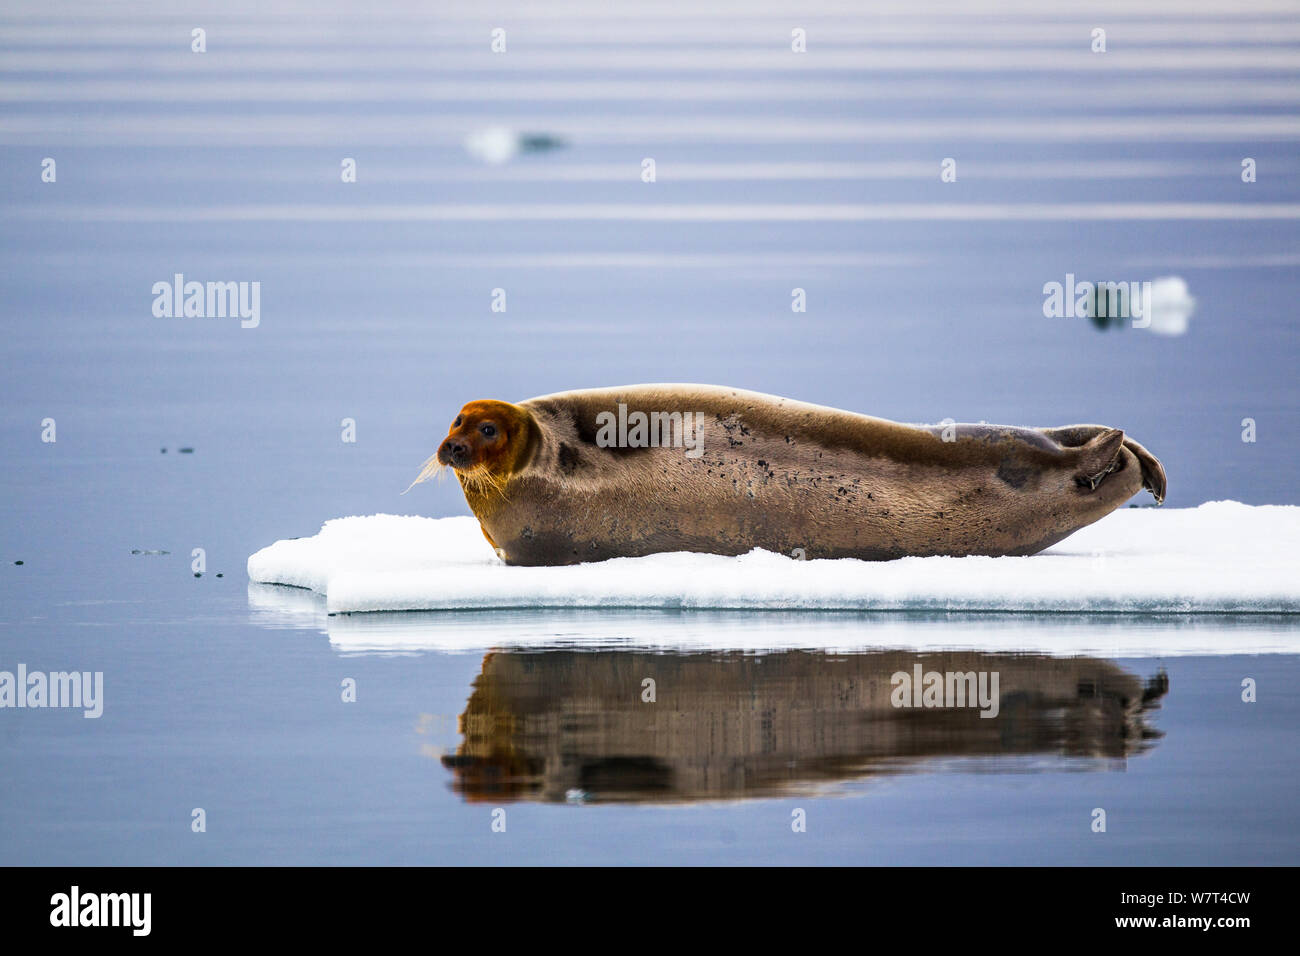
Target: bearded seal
{"x":624,"y":472}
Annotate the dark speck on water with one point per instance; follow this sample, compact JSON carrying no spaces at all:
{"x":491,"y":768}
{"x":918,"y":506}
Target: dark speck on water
{"x":539,"y":142}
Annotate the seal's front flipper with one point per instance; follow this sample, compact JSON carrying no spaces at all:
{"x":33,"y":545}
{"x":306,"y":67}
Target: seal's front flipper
{"x":1099,"y":457}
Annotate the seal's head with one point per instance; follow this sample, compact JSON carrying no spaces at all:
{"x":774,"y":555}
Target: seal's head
{"x":486,"y":435}
{"x":487,"y":443}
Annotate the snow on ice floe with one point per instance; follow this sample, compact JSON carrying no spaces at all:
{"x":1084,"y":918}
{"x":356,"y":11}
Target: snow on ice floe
{"x":1221,"y":557}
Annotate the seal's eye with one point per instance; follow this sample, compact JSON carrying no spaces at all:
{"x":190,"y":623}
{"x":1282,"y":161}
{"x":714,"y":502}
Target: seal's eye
{"x":456,"y":423}
{"x":488,"y":430}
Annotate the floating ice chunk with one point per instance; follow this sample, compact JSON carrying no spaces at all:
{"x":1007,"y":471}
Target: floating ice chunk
{"x":494,"y":145}
{"x":498,"y":144}
{"x":1170,"y":306}
{"x":1220,"y":557}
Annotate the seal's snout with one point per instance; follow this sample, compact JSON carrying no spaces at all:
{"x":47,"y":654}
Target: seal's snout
{"x":454,"y":453}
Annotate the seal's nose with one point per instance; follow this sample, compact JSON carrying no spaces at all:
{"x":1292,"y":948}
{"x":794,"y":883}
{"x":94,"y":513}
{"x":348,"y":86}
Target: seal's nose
{"x":454,"y":453}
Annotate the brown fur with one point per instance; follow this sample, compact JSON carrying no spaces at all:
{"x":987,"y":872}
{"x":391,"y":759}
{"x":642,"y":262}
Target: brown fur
{"x":780,"y":475}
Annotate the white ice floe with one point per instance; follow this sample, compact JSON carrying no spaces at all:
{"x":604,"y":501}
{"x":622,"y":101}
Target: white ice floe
{"x":1220,"y":557}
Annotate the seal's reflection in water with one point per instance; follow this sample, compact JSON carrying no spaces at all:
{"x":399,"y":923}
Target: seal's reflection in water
{"x":552,"y":725}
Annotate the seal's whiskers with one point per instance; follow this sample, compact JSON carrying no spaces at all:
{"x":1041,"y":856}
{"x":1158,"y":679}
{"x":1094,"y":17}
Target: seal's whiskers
{"x":431,"y":467}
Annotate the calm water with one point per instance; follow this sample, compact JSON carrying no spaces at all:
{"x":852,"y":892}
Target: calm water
{"x":376,"y":306}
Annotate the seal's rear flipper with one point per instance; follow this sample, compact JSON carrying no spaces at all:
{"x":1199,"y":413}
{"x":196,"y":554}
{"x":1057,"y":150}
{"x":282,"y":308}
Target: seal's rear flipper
{"x":1153,"y":473}
{"x":1086,"y":438}
{"x":1099,"y":457}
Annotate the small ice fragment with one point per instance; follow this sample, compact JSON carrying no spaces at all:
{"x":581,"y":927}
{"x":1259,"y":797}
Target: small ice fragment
{"x":1171,"y":305}
{"x":494,"y":145}
{"x":497,"y":144}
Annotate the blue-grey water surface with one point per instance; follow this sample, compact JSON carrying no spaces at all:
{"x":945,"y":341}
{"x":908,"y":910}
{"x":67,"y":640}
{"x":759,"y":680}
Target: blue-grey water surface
{"x":376,"y":306}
